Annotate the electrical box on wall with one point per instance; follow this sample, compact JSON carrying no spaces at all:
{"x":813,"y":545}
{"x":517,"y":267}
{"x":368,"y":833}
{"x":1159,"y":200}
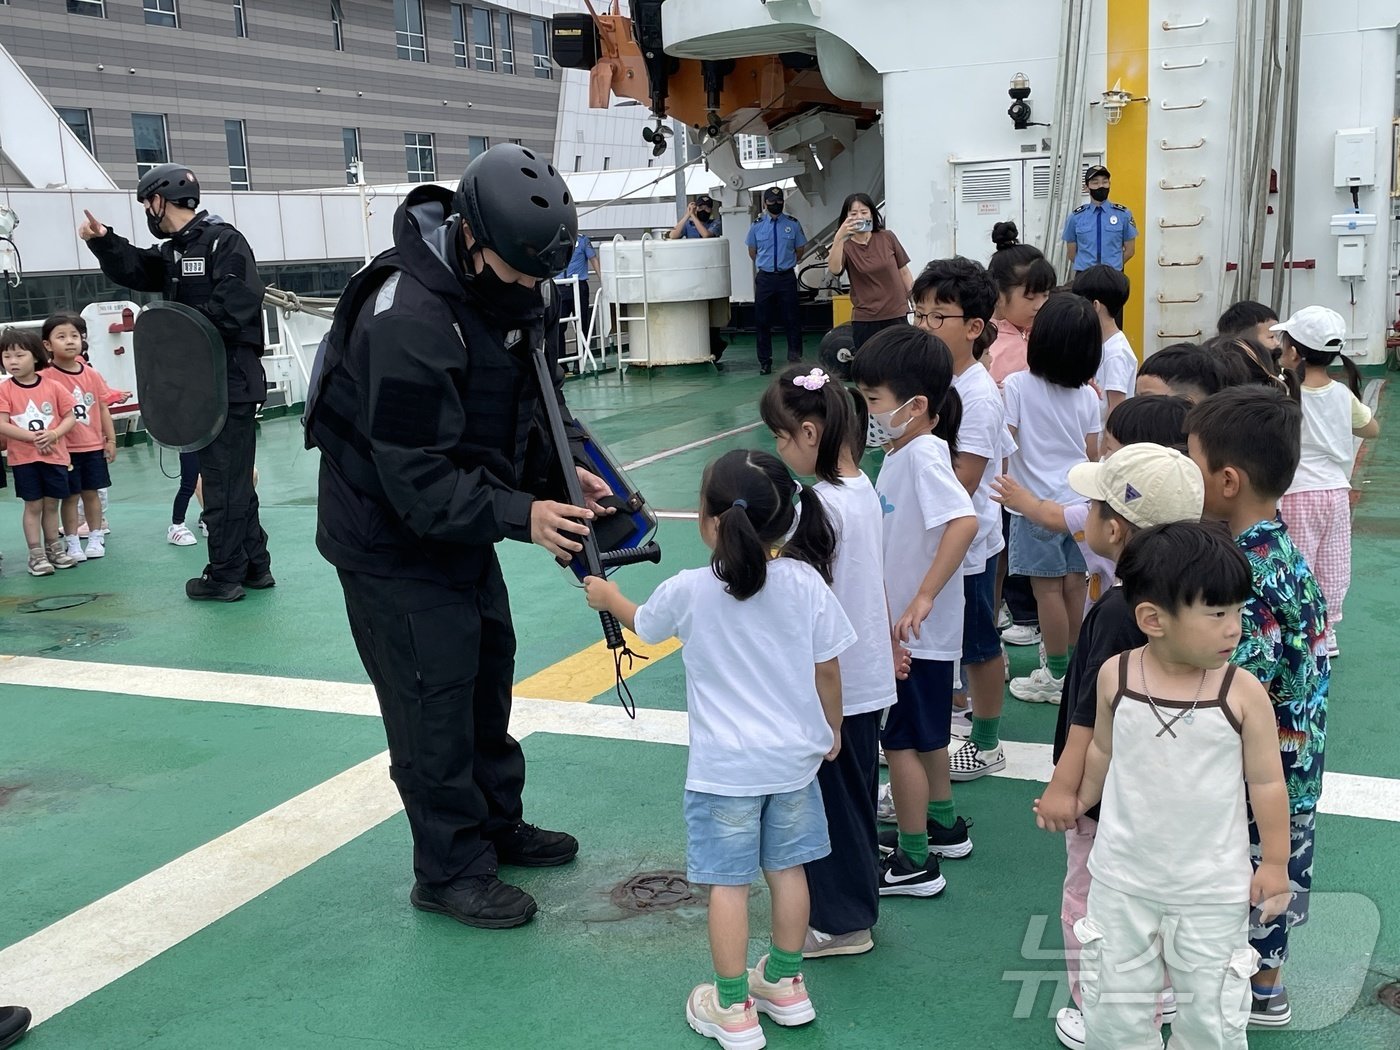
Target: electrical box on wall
{"x":1350,"y":229}
{"x":1354,"y":158}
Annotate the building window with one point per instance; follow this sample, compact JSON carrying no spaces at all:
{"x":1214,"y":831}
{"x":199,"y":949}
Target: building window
{"x":337,"y":25}
{"x":96,"y":8}
{"x":240,"y":19}
{"x":79,"y":122}
{"x":459,"y":34}
{"x":477,"y":145}
{"x":408,"y":30}
{"x":607,"y":163}
{"x":507,"y":43}
{"x":485,"y":49}
{"x":539,"y":41}
{"x":237,"y":154}
{"x":418,"y":153}
{"x":152,"y":141}
{"x":161,"y":13}
{"x":578,"y":163}
{"x":350,"y":137}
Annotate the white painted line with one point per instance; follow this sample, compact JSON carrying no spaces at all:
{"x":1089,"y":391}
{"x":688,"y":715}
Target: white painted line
{"x":656,"y":457}
{"x":69,"y":960}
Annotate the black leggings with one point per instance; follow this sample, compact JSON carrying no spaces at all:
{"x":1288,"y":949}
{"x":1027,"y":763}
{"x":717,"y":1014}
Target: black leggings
{"x":863,"y":330}
{"x":189,"y":477}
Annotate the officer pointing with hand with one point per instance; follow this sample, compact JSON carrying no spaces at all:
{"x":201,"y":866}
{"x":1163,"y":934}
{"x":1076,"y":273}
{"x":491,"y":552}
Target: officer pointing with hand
{"x":206,"y":264}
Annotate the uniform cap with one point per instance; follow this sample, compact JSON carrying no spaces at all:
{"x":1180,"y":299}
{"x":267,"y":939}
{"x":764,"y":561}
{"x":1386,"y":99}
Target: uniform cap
{"x":1148,"y":484}
{"x":773,"y":193}
{"x":1316,"y":327}
{"x":1095,"y":171}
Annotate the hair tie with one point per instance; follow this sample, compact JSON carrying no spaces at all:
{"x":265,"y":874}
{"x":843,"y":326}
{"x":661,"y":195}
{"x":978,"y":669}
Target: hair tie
{"x":813,"y":380}
{"x":742,"y":504}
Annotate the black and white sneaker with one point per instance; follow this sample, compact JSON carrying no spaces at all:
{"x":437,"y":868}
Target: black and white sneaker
{"x":949,"y":843}
{"x":969,"y":762}
{"x":1266,"y":1011}
{"x":899,"y":877}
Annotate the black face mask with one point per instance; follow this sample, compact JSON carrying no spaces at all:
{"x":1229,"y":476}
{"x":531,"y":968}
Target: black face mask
{"x":775,"y":208}
{"x":1099,"y":193}
{"x":703,"y":216}
{"x":504,"y":301}
{"x":153,"y":224}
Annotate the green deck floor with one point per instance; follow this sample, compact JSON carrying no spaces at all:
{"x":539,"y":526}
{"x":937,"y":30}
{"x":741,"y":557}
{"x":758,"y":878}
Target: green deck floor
{"x":99,"y":788}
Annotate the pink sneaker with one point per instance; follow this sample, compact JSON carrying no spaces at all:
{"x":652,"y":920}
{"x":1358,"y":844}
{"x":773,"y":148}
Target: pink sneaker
{"x":786,"y":1001}
{"x":734,"y":1028}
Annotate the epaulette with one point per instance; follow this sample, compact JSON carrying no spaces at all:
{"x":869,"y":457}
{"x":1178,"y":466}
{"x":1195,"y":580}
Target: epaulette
{"x":1082,"y":207}
{"x":1118,"y":207}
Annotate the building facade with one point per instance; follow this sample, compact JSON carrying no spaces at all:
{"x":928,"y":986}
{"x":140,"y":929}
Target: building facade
{"x":283,"y":94}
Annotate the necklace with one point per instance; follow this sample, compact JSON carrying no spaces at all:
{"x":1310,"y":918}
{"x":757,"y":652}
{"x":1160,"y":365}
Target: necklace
{"x":1190,"y":716}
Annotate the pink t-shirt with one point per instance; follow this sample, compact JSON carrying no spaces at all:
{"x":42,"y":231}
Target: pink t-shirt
{"x":40,"y":405}
{"x":1007,"y":354}
{"x":88,"y":390}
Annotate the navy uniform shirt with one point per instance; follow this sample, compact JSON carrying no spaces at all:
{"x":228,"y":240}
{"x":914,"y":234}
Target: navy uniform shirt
{"x":776,"y":238}
{"x":1099,"y":230}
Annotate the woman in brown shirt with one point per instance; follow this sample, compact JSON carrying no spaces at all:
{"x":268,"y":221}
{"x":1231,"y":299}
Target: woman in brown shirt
{"x":876,"y":264}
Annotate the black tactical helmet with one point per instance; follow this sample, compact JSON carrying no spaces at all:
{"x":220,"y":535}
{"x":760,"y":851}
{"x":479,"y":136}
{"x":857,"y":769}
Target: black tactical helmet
{"x":174,"y":182}
{"x":518,"y":206}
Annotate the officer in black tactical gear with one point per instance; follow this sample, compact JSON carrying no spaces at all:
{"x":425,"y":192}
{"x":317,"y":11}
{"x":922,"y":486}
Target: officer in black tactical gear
{"x":205,"y":263}
{"x":431,"y":427}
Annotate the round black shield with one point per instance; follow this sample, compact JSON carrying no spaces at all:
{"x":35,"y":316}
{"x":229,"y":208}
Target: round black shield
{"x":181,"y":376}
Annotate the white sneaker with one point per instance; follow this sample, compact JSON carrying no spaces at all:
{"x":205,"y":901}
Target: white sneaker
{"x":1003,"y":617}
{"x":1333,"y":649}
{"x":97,"y":545}
{"x":881,"y":755}
{"x":1021,"y":634}
{"x":884,"y":805}
{"x":180,"y":536}
{"x":1038,"y":687}
{"x":1069,"y":1028}
{"x":75,"y":549}
{"x":203,"y":527}
{"x":962,"y":722}
{"x":969,"y":761}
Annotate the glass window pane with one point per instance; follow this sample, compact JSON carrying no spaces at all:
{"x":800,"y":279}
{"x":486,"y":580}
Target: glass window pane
{"x":507,"y":44}
{"x":161,"y":13}
{"x":459,"y":34}
{"x":408,"y":31}
{"x":96,"y":8}
{"x":484,"y":49}
{"x":477,"y":145}
{"x":80,"y":121}
{"x":539,"y":43}
{"x":240,"y":22}
{"x":152,"y":145}
{"x":350,"y":139}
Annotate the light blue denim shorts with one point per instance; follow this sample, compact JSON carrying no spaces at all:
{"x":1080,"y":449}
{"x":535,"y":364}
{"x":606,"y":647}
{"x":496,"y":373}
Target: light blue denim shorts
{"x":731,"y":839}
{"x":1040,"y":552}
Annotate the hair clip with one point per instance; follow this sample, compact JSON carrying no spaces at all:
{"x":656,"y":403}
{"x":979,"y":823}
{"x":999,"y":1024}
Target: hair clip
{"x":813,"y":380}
{"x":742,"y":504}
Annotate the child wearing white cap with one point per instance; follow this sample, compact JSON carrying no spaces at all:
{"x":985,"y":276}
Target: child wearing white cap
{"x":1139,"y":486}
{"x":1317,"y":506}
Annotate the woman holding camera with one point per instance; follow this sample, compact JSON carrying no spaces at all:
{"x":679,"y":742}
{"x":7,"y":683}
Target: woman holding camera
{"x":875,"y":263}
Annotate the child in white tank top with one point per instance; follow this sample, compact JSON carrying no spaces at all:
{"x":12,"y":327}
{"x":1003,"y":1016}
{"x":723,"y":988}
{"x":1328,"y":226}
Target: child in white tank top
{"x":1179,"y":737}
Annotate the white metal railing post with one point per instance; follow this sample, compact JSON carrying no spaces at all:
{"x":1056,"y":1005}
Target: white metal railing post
{"x":643,"y":317}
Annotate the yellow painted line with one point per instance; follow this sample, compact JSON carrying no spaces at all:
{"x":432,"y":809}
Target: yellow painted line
{"x":590,"y":673}
{"x":1127,"y":148}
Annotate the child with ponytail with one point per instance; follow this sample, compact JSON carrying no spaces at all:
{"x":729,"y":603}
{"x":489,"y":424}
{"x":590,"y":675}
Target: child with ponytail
{"x":1317,"y":506}
{"x":821,"y":434}
{"x":762,"y":631}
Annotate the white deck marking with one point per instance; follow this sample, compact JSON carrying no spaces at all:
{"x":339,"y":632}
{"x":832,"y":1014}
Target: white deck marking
{"x":76,"y":956}
{"x":657,"y":457}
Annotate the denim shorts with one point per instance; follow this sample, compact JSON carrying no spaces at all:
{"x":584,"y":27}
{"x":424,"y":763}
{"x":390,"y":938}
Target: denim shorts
{"x":731,"y":839}
{"x":1040,"y":552}
{"x":981,"y":642}
{"x":89,"y":472}
{"x":922,"y":720}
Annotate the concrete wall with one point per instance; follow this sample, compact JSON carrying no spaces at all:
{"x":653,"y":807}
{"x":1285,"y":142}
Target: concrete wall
{"x":201,"y":74}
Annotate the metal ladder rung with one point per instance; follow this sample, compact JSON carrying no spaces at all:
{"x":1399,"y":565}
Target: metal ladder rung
{"x":1162,"y":261}
{"x":1162,"y":334}
{"x":1165,"y":145}
{"x":1185,"y":105}
{"x":1169,"y":27}
{"x":1164,"y":184}
{"x":1194,"y":299}
{"x":1183,"y":65}
{"x":1163,"y":224}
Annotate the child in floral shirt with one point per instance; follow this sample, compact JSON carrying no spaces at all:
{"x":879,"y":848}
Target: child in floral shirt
{"x":1246,"y":440}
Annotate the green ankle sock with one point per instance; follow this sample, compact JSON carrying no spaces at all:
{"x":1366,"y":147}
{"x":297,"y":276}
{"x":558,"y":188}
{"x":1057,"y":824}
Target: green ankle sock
{"x":985,"y":733}
{"x":915,"y":847}
{"x":1056,"y":665}
{"x":781,"y":964}
{"x":732,"y":989}
{"x":943,"y":813}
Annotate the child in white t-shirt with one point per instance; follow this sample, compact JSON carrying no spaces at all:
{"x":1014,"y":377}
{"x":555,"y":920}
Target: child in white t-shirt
{"x":1116,"y":378}
{"x":1317,"y":506}
{"x":906,"y":377}
{"x":1053,"y":414}
{"x":763,"y":691}
{"x":813,"y":420}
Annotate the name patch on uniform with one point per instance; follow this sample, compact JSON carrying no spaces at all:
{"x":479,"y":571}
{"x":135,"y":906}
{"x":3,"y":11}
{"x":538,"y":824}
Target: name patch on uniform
{"x":192,"y":267}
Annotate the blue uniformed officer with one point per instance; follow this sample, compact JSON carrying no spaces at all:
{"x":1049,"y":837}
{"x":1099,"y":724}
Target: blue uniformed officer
{"x":698,"y":221}
{"x":776,"y":242}
{"x":1100,"y":231}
